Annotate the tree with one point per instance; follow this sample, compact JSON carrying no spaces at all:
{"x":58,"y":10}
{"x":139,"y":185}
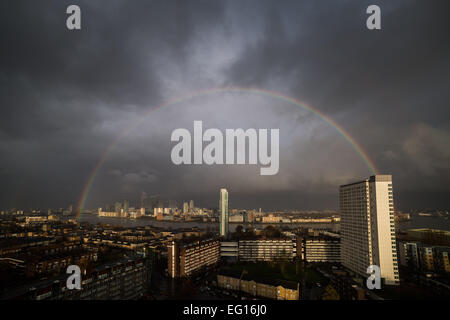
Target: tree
{"x":330,"y":293}
{"x":271,"y":232}
{"x":239,"y":230}
{"x":249,"y":231}
{"x":83,"y":264}
{"x":283,"y":269}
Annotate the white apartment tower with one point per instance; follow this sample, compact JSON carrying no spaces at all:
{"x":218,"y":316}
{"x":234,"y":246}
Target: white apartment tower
{"x":368,"y":228}
{"x":223,"y":211}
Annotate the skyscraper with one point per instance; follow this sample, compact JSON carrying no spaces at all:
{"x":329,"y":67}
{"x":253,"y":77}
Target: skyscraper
{"x":185,"y":207}
{"x":191,"y":205}
{"x":367,"y":227}
{"x":223,"y":211}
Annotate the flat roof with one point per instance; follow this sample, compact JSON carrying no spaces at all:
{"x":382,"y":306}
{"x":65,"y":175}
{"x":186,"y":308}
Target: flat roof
{"x":378,"y":177}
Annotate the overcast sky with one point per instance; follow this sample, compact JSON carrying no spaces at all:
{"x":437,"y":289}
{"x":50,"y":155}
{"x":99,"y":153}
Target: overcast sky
{"x":66,"y":96}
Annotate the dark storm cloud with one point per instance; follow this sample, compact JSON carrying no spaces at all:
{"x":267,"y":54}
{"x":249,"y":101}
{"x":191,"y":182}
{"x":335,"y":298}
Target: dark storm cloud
{"x":58,"y":87}
{"x":66,"y":96}
{"x":388,"y":88}
{"x":334,"y":62}
{"x":113,"y":60}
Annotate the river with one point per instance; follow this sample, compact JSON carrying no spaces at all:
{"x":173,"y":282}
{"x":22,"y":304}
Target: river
{"x":207,"y":226}
{"x":418,"y":222}
{"x":414,"y":223}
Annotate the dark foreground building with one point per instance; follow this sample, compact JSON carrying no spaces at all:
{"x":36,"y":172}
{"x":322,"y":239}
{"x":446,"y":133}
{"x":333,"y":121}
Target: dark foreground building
{"x":125,"y":279}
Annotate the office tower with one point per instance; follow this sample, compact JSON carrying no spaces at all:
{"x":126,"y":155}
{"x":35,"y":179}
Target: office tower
{"x":223,"y":211}
{"x":367,"y":227}
{"x":185,"y":207}
{"x":191,"y":205}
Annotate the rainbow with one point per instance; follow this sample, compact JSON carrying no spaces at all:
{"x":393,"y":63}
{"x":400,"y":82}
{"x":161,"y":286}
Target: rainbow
{"x":267,"y":93}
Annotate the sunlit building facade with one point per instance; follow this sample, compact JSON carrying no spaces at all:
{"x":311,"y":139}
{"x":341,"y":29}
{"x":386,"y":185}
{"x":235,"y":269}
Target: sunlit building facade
{"x":223,"y":211}
{"x":368,"y":228}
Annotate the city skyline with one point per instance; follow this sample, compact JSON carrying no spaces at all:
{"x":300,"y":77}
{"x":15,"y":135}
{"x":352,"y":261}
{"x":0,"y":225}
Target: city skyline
{"x":158,"y":201}
{"x":283,"y":257}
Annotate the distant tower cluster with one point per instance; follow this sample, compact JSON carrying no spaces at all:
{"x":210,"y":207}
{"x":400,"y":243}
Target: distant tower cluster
{"x":223,"y":211}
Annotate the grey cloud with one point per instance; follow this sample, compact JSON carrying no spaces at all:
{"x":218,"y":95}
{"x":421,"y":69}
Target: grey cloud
{"x":66,"y":96}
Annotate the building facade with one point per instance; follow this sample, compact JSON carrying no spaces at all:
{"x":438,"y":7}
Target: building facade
{"x":267,"y":250}
{"x":277,"y":290}
{"x":368,"y":228}
{"x":185,"y":259}
{"x":408,"y":253}
{"x":229,"y":249}
{"x":127,"y":279}
{"x":322,"y":249}
{"x":419,"y":256}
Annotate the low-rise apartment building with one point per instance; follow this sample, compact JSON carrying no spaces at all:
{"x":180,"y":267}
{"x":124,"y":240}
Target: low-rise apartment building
{"x":267,"y":249}
{"x":276,"y":289}
{"x":125,"y":279}
{"x":425,"y":257}
{"x":322,"y":249}
{"x":187,"y":258}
